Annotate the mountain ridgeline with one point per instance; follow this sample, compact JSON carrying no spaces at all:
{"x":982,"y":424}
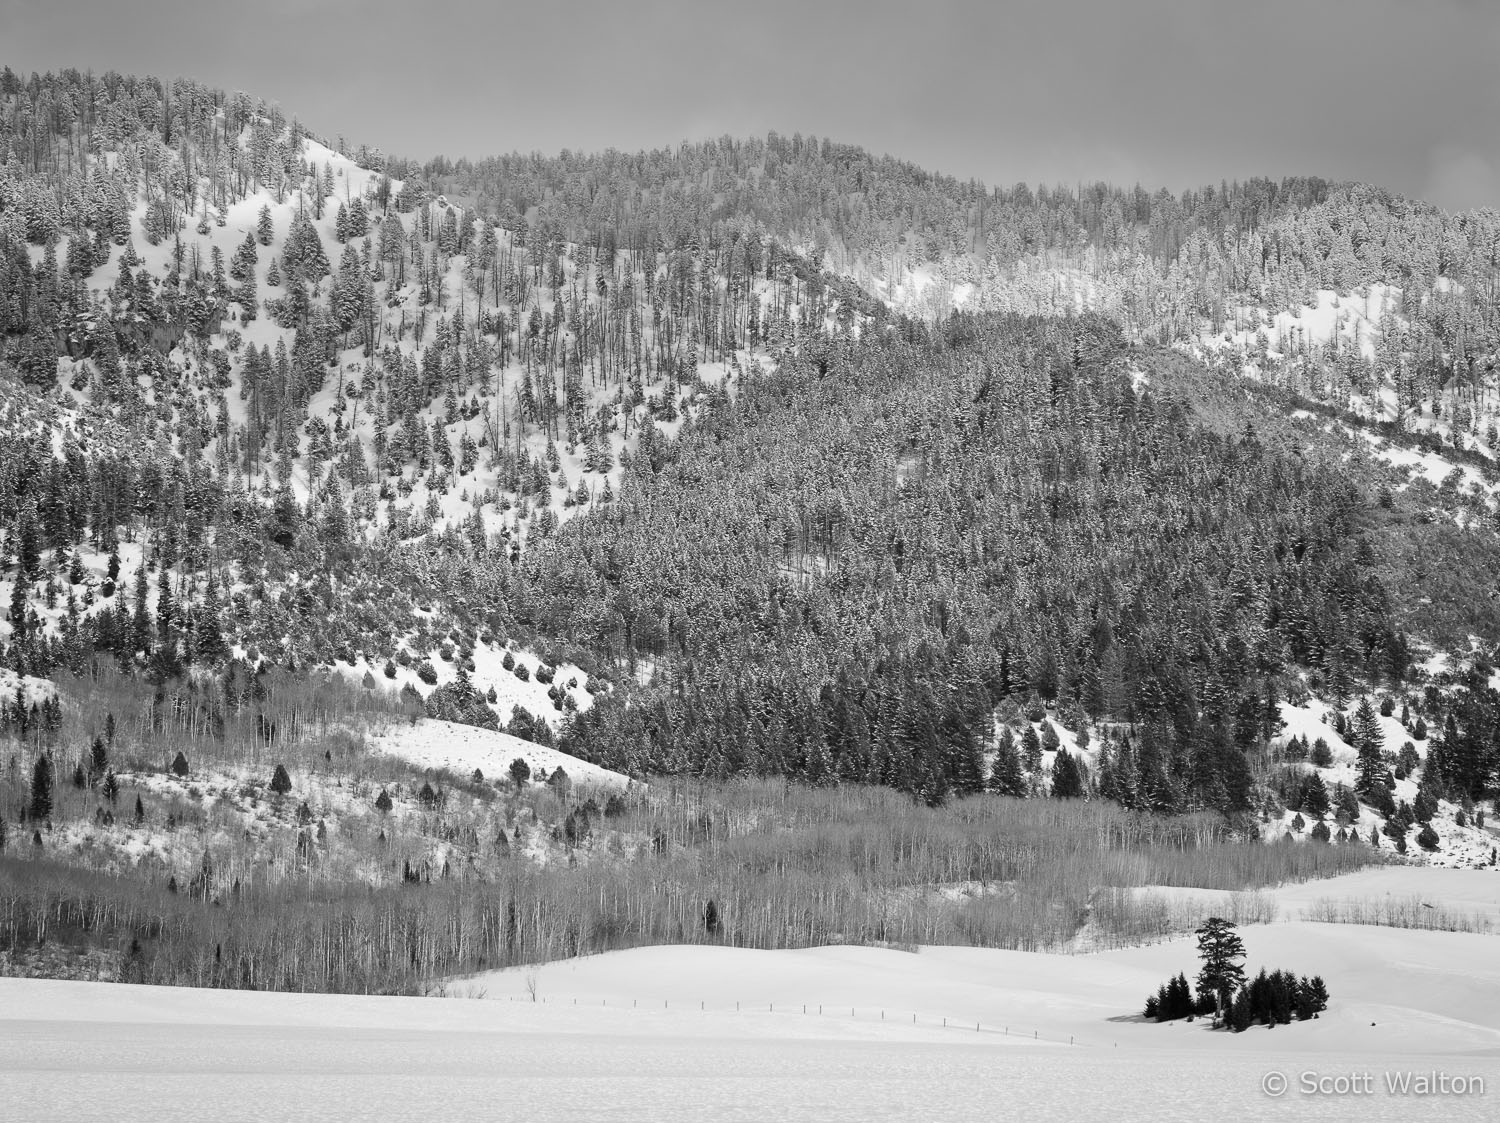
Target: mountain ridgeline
{"x":816,"y":463}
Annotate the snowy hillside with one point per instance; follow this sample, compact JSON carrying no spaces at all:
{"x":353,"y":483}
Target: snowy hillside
{"x":462,"y":749}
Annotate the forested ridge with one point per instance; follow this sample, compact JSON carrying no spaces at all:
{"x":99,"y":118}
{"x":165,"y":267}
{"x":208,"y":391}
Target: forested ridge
{"x":841,"y":573}
{"x":819,"y":464}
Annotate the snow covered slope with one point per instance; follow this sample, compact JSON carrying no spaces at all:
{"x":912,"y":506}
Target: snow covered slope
{"x":463,"y":748}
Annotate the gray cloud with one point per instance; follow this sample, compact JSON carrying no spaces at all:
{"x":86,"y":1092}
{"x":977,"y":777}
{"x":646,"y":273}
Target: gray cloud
{"x":1174,"y":92}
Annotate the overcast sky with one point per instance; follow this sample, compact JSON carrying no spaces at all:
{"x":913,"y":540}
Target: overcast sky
{"x":1172,"y":93}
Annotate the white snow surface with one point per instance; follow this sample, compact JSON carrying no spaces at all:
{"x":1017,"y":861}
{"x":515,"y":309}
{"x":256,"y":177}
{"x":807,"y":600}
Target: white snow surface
{"x":835,"y":1033}
{"x":34,"y":690}
{"x":463,"y":748}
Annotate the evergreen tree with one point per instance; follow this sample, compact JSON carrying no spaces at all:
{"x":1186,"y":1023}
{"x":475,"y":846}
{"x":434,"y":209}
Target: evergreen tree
{"x":1222,"y":952}
{"x":1031,"y":749}
{"x":1067,"y":783}
{"x":1005,"y":772}
{"x":281,"y":781}
{"x":1368,"y":742}
{"x":40,"y":807}
{"x":1314,"y":795}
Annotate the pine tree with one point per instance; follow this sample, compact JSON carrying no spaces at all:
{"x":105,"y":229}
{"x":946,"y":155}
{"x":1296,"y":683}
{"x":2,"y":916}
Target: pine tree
{"x":1315,"y":795}
{"x":1067,"y":783}
{"x":1005,"y":772}
{"x":1368,"y":742}
{"x":1031,"y":749}
{"x":41,"y":788}
{"x":383,"y":801}
{"x":1222,"y":952}
{"x":281,"y":782}
{"x":180,"y":765}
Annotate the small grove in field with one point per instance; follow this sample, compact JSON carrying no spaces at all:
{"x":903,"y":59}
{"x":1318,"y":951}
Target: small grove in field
{"x":1270,"y":999}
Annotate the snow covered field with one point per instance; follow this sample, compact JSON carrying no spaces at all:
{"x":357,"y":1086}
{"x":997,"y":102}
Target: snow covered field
{"x":835,"y":1033}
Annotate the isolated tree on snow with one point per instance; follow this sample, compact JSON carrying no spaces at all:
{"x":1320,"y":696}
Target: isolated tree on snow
{"x":180,"y":765}
{"x":383,"y":801}
{"x":1223,"y":953}
{"x":520,"y":771}
{"x":281,"y":782}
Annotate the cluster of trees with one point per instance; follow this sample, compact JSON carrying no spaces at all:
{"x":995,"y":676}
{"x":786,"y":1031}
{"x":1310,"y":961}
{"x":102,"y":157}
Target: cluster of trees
{"x":1270,"y":999}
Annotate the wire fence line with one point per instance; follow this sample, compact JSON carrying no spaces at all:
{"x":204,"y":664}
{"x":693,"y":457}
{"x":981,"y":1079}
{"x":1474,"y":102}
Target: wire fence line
{"x":813,"y":1009}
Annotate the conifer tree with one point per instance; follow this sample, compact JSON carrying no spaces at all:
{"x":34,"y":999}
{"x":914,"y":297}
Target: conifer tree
{"x":1222,"y":952}
{"x":41,"y":788}
{"x":1067,"y":783}
{"x":1368,"y":742}
{"x":1005,"y":772}
{"x":1031,"y":749}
